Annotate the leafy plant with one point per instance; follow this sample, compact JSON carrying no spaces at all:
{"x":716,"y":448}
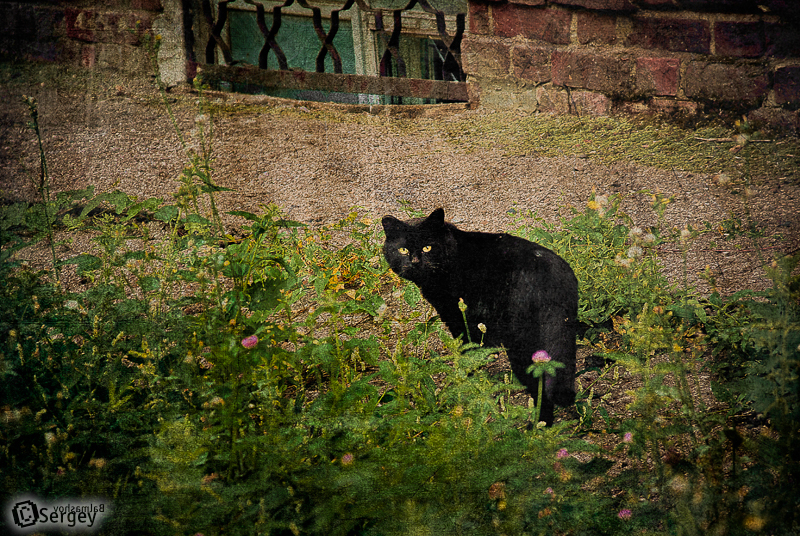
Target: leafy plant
{"x":285,"y":381}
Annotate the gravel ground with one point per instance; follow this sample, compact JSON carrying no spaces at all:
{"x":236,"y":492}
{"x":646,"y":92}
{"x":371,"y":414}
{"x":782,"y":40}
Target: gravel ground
{"x":318,"y":161}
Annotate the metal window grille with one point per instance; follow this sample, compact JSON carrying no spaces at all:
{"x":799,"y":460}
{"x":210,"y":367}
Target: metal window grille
{"x":447,"y":82}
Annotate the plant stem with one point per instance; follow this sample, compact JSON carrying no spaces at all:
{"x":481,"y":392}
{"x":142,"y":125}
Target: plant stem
{"x":44,"y":181}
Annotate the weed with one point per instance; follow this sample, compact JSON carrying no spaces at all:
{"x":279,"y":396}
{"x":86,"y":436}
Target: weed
{"x":286,"y":381}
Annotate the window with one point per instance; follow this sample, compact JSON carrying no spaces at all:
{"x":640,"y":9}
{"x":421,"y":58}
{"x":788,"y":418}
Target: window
{"x":360,"y":41}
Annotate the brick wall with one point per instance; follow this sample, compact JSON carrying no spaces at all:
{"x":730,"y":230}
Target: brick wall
{"x":560,"y":56}
{"x":604,"y":56}
{"x":79,"y":32}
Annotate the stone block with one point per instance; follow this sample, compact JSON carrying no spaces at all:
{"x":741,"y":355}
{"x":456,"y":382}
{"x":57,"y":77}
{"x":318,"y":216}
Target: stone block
{"x":605,"y":5}
{"x":49,"y":24}
{"x":552,"y":100}
{"x":775,"y":121}
{"x":731,"y":84}
{"x":676,"y":35}
{"x":147,"y":5}
{"x":543,"y":24}
{"x":501,"y":95}
{"x":673,"y":106}
{"x":657,"y":76}
{"x":531,"y":63}
{"x":632,"y":107}
{"x":596,"y":28}
{"x":122,"y":28}
{"x":739,"y":39}
{"x":610,"y":74}
{"x":786,"y":85}
{"x":591,"y":103}
{"x":486,"y":58}
{"x":122,"y":58}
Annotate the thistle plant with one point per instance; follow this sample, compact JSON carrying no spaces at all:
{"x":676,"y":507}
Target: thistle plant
{"x":286,"y":383}
{"x":196,"y":177}
{"x":43,"y":185}
{"x":542,"y":367}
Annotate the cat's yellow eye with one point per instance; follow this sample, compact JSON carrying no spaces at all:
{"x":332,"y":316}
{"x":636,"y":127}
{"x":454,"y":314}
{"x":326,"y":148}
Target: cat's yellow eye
{"x":426,"y":249}
{"x":403,"y":251}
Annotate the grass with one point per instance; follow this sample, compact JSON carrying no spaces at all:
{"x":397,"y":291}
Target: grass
{"x":276,"y":383}
{"x":647,"y":141}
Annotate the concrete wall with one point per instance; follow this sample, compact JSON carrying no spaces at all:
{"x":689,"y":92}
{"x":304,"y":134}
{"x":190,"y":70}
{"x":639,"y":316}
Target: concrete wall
{"x":602,"y":56}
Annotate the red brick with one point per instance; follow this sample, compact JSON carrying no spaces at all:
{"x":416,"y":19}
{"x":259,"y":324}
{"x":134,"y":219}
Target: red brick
{"x":88,"y":56}
{"x":109,"y":27}
{"x":658,"y":4}
{"x":596,"y":28}
{"x":17,"y":21}
{"x":739,"y":39}
{"x":109,"y":5}
{"x":544,"y":24}
{"x":721,"y":6}
{"x":786,"y":85}
{"x":780,"y":7}
{"x":782,"y":40}
{"x":740,"y":84}
{"x":677,"y":35}
{"x":531,"y":63}
{"x":80,"y":24}
{"x":605,"y":5}
{"x":657,"y":76}
{"x":485,"y":58}
{"x":609,"y":74}
{"x":479,"y":23}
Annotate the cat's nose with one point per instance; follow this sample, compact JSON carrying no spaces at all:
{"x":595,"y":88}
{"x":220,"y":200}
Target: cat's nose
{"x":414,"y":259}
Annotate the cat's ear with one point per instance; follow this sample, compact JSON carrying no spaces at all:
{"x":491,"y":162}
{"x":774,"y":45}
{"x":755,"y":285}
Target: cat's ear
{"x":436,"y":217}
{"x":391,"y":225}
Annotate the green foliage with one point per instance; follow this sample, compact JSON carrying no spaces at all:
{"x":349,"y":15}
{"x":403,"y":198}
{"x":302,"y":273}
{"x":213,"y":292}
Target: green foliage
{"x":615,"y":261}
{"x":645,"y":141}
{"x":287,"y":382}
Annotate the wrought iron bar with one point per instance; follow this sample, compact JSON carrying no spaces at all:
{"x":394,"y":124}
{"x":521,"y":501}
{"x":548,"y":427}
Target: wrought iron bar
{"x":392,"y":44}
{"x":448,"y":47}
{"x":216,"y":39}
{"x":269,"y":34}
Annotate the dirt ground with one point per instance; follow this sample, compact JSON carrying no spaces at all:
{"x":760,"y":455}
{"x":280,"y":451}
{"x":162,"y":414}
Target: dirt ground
{"x":319,"y":161}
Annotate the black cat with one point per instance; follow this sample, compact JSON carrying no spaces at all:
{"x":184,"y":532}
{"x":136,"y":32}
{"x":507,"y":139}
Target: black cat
{"x":525,"y":295}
